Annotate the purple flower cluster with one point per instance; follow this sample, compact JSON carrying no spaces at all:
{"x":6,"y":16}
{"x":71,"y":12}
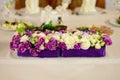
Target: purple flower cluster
{"x":107,"y":40}
{"x":62,"y":45}
{"x":24,"y":46}
{"x":52,"y":44}
{"x":77,"y":46}
{"x":28,"y":32}
{"x":33,"y":52}
{"x":15,"y":42}
{"x":39,"y":43}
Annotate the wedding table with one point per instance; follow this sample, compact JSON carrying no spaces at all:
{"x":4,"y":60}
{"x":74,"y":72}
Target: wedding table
{"x":105,"y":68}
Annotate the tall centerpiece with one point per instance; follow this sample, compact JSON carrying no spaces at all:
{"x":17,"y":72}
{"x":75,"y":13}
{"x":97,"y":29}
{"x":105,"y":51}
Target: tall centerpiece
{"x":32,"y":6}
{"x":88,"y":6}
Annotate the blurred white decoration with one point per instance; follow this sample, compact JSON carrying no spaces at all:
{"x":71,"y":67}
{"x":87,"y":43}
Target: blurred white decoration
{"x":48,"y":13}
{"x":32,"y":6}
{"x":65,"y":3}
{"x":88,"y":6}
{"x":62,"y":11}
{"x":8,"y":9}
{"x":116,"y":4}
{"x":2,"y":3}
{"x":48,"y":9}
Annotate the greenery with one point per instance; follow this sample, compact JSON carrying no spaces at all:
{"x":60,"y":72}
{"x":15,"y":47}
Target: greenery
{"x":118,"y":21}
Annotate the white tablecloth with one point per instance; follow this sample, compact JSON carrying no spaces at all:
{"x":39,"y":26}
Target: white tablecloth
{"x":106,"y":68}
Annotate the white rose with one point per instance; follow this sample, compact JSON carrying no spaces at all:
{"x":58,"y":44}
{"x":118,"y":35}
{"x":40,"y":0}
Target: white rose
{"x":76,"y":39}
{"x":24,"y":38}
{"x":93,"y":41}
{"x":69,"y":40}
{"x":85,"y":43}
{"x":69,"y":46}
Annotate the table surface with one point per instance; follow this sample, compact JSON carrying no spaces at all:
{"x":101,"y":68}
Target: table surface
{"x":108,"y":67}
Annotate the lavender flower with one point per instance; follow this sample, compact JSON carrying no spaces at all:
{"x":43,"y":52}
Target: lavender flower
{"x":62,"y":45}
{"x":86,"y":31}
{"x":107,"y":40}
{"x":77,"y":46}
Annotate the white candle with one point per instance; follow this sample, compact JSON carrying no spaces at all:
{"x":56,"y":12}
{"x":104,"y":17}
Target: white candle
{"x":32,"y":6}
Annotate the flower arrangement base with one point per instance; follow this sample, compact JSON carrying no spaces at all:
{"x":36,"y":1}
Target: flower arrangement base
{"x":91,"y":52}
{"x":42,"y":54}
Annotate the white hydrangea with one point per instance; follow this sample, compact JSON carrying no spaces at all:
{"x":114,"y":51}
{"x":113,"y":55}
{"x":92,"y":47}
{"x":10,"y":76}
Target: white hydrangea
{"x":24,"y":38}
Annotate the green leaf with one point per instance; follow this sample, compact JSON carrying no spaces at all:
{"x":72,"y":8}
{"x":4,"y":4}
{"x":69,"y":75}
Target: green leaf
{"x":83,"y":28}
{"x":48,"y":26}
{"x":21,"y":30}
{"x":31,"y":27}
{"x":118,"y":21}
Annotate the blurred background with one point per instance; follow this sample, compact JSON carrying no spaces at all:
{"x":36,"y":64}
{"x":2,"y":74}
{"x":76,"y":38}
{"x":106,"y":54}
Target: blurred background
{"x":108,"y":4}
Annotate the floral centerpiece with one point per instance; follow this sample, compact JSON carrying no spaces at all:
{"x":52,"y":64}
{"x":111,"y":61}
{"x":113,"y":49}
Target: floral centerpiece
{"x":86,"y":42}
{"x":36,"y":43}
{"x":82,"y":42}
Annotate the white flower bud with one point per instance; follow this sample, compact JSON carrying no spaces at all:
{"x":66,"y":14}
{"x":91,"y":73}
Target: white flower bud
{"x":98,"y":46}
